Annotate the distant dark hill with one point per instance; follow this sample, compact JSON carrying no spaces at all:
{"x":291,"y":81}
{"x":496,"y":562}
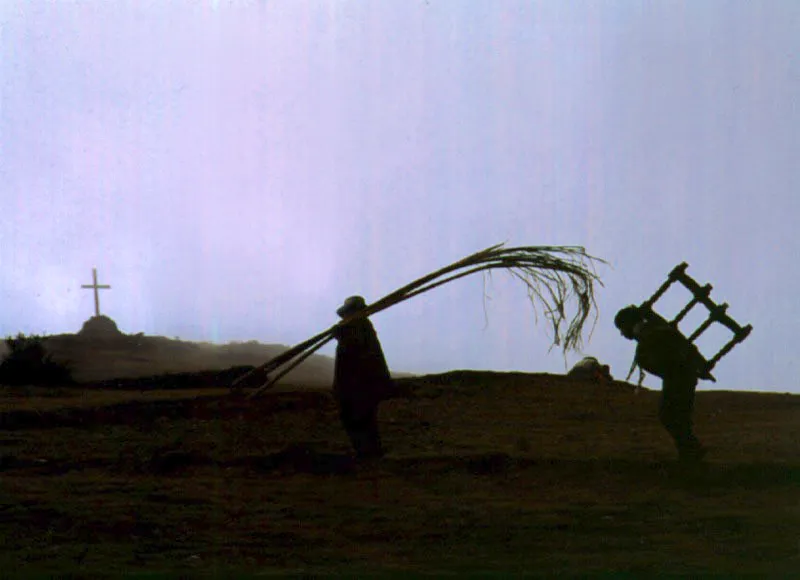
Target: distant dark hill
{"x":96,"y":359}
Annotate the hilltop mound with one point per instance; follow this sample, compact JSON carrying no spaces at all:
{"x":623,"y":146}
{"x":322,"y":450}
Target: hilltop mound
{"x":101,"y":327}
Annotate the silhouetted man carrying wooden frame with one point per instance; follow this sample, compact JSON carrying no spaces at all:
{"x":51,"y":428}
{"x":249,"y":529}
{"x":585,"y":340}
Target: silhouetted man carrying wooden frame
{"x":665,"y":352}
{"x":662,"y":350}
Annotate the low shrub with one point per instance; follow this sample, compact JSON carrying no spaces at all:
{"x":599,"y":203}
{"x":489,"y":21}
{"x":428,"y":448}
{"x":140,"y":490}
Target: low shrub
{"x":28,"y":363}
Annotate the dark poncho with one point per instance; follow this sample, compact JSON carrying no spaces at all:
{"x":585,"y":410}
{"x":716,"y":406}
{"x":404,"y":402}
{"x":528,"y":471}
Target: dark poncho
{"x":360,"y":369}
{"x":665,"y":352}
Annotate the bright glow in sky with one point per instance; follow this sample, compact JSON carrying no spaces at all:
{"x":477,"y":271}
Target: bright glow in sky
{"x":236,"y":169}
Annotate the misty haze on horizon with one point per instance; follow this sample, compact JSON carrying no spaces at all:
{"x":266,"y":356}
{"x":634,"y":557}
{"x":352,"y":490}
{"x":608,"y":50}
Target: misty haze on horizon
{"x":234,"y":171}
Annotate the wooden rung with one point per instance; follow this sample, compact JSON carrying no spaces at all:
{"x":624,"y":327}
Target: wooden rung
{"x":682,"y":314}
{"x":701,"y":329}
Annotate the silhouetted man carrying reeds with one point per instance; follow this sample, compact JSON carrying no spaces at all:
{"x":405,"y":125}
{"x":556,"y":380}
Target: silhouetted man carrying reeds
{"x":663,"y":351}
{"x":361,"y":379}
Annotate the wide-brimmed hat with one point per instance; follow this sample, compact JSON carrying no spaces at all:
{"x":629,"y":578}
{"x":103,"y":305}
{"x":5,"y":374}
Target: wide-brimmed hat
{"x":351,"y":305}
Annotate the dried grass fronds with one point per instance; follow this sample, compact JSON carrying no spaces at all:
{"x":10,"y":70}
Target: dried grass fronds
{"x":553,"y":276}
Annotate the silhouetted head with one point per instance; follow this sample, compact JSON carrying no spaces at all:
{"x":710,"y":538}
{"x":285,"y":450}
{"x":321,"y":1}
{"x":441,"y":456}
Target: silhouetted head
{"x":351,"y":305}
{"x":628,"y":319}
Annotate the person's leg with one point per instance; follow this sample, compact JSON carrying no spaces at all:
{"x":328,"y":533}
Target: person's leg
{"x":349,"y":421}
{"x":365,"y":436}
{"x":675,"y":413}
{"x":372,"y":447}
{"x":361,"y":424}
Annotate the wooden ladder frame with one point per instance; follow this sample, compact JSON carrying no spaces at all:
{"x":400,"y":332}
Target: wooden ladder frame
{"x":716,"y":313}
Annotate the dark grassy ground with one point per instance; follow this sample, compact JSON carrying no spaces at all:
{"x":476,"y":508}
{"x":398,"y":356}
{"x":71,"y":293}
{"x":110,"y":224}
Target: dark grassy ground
{"x":486,"y":472}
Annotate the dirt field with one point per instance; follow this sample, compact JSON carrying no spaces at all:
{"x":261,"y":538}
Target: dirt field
{"x":485,"y":473}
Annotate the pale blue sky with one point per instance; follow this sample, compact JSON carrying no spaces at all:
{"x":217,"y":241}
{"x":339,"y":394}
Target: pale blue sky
{"x":235,"y":169}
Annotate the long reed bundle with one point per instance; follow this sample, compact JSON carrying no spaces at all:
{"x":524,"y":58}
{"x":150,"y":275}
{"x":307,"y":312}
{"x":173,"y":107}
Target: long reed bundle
{"x":552,"y":276}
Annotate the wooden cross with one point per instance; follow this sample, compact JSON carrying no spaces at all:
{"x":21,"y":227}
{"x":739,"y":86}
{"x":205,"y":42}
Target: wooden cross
{"x":96,"y":287}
